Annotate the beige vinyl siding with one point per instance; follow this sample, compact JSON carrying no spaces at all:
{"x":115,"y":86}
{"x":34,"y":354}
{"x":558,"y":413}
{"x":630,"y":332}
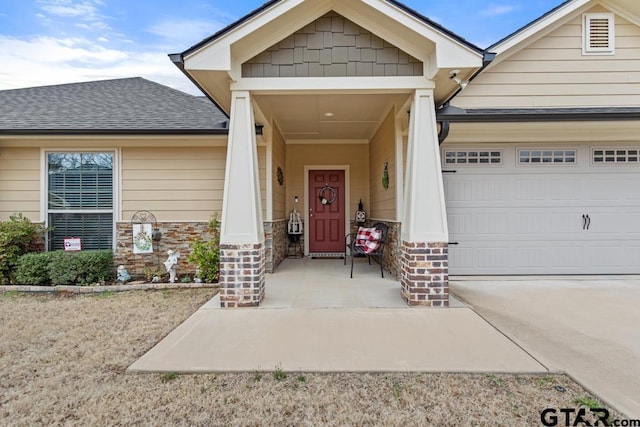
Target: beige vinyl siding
{"x":382,"y":149}
{"x":553,"y":72}
{"x":175,"y":184}
{"x":20,"y":182}
{"x":625,"y":133}
{"x":279,"y":159}
{"x":354,"y":155}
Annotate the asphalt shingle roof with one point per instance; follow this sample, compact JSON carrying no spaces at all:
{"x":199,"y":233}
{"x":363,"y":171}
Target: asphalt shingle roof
{"x":111,"y":106}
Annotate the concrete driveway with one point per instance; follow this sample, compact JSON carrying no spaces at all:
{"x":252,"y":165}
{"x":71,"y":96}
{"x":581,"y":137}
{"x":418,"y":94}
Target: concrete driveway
{"x":587,"y":327}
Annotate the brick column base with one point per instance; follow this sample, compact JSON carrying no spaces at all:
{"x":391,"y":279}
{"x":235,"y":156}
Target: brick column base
{"x":425,"y":274}
{"x":242,"y":270}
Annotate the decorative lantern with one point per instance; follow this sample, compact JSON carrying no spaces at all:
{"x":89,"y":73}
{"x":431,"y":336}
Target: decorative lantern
{"x":294,"y":228}
{"x":361,"y":215}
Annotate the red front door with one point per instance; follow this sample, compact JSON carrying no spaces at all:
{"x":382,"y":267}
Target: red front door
{"x":326,"y":211}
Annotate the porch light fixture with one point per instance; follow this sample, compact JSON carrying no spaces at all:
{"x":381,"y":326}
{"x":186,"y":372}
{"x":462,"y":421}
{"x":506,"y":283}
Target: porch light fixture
{"x":454,"y":76}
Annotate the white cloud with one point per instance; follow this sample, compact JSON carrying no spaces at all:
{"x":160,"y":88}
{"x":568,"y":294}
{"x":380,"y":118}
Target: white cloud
{"x":46,"y":61}
{"x":497,"y":10}
{"x":80,"y":53}
{"x":183,"y":33}
{"x":86,"y":10}
{"x":70,"y":7}
{"x":54,"y":51}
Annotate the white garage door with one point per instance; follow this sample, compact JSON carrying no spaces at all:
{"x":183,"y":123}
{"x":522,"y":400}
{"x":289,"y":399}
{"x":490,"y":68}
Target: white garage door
{"x":536,"y":210}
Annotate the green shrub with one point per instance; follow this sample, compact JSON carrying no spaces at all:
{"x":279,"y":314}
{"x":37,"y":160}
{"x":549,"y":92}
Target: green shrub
{"x":33,"y":268}
{"x":205,"y":253}
{"x":81,"y":268}
{"x":18,"y":236}
{"x":65,"y":268}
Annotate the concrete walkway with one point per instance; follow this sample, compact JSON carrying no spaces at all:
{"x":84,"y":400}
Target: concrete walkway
{"x":587,"y":327}
{"x":317,"y":319}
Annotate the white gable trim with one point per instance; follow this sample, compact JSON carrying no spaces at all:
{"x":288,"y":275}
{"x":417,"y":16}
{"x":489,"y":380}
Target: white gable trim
{"x":634,"y":19}
{"x":226,"y":52}
{"x":557,"y":16}
{"x":216,"y":64}
{"x":216,"y":55}
{"x":463,"y":57}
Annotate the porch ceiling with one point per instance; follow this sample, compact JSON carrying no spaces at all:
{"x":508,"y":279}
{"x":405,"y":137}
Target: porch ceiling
{"x":329,"y":116}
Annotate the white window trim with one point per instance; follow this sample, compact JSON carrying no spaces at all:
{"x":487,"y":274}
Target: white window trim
{"x":44,"y":188}
{"x":586,"y":48}
{"x":551,"y":164}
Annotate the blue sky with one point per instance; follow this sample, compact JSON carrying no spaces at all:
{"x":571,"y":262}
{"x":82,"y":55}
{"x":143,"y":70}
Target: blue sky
{"x":59,"y":41}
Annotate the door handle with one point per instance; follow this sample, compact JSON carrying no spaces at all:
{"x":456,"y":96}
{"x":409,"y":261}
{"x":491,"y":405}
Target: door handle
{"x":588,"y":221}
{"x":584,"y":222}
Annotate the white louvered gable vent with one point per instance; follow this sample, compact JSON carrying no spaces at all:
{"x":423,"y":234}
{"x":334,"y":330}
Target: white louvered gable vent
{"x":599,"y":38}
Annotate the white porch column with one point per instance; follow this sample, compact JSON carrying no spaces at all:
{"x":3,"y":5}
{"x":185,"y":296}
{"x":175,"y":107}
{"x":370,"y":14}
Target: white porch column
{"x":242,"y":258}
{"x":424,"y":227}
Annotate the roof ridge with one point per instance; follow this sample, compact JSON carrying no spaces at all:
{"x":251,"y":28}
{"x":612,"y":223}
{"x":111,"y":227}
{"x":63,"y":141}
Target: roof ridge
{"x":76,"y":83}
{"x":169,"y":88}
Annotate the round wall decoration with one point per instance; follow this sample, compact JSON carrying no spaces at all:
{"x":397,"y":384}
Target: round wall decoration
{"x":327,"y":195}
{"x":280,"y":176}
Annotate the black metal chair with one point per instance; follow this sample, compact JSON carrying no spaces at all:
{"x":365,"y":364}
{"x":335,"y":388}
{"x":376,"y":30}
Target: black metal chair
{"x":350,"y":242}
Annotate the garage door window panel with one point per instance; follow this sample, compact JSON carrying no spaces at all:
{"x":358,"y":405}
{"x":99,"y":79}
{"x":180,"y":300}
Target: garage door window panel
{"x":546,"y":156}
{"x":616,"y":155}
{"x":472,"y":157}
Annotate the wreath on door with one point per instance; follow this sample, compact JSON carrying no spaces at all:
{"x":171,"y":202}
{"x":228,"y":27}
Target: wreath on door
{"x":327,"y":195}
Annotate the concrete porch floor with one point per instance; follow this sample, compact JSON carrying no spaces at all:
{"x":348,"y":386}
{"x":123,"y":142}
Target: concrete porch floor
{"x":325,"y":283}
{"x":316,"y":319}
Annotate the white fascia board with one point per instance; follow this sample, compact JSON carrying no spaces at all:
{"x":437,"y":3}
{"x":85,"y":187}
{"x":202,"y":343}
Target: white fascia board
{"x":327,"y":141}
{"x":532,"y":30}
{"x":274,"y":30}
{"x":447,"y":48}
{"x":89,"y":141}
{"x":450,"y":58}
{"x":213,"y":57}
{"x":206,"y":57}
{"x":626,"y":14}
{"x":341,"y":85}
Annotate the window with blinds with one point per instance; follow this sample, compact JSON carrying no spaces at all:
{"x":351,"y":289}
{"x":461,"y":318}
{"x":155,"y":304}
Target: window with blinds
{"x":598,"y":34}
{"x":80,"y":199}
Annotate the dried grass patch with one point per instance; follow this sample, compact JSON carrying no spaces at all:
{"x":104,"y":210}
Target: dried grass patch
{"x":62,"y":362}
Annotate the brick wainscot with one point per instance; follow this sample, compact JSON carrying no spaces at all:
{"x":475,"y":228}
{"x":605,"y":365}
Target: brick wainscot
{"x":242,"y":279}
{"x":425,"y":274}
